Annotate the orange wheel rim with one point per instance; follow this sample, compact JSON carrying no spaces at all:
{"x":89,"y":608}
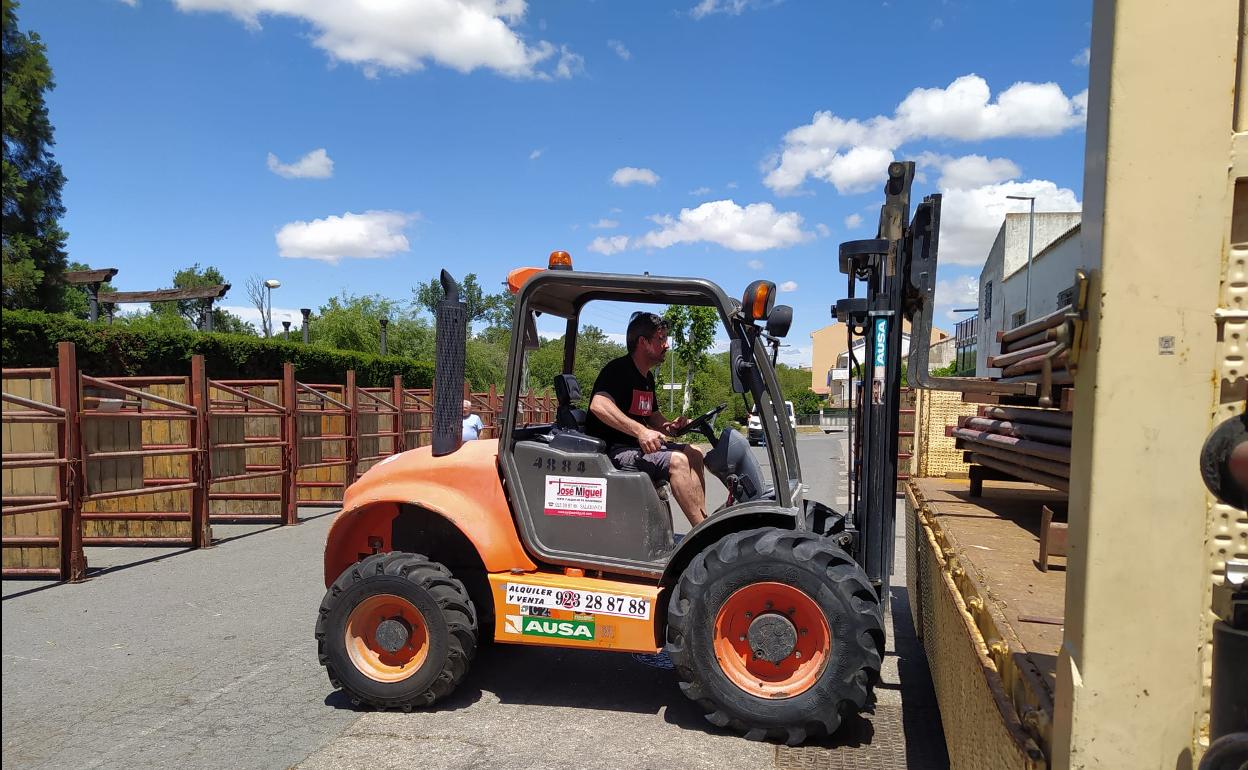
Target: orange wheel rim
{"x":786,"y":626}
{"x":386,"y":638}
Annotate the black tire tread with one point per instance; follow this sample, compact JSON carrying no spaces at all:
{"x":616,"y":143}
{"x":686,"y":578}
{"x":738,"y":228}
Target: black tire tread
{"x":846,"y":578}
{"x":452,"y":599}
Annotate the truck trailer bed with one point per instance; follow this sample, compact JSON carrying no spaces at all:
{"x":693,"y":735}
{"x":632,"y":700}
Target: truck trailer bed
{"x":989,"y":618}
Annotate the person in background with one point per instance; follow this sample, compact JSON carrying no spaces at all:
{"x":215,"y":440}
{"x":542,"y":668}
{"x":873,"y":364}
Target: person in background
{"x":472,"y":423}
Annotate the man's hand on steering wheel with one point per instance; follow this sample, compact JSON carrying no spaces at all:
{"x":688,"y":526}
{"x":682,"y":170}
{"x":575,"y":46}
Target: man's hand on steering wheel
{"x":705,"y":423}
{"x":671,"y":426}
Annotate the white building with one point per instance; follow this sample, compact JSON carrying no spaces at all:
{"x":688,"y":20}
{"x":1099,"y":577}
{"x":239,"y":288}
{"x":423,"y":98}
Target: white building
{"x":1003,"y":290}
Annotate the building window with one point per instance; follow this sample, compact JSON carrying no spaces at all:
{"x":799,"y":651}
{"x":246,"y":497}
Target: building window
{"x":1066,"y":297}
{"x":988,"y":300}
{"x":1017,"y":319}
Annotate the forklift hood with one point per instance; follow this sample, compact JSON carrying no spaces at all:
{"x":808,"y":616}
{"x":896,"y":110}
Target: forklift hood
{"x":463,"y":487}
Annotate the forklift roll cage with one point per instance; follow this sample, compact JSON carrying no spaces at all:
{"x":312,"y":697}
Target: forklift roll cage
{"x":564,"y":293}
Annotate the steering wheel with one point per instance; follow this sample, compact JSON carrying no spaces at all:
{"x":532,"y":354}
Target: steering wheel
{"x":703,"y":424}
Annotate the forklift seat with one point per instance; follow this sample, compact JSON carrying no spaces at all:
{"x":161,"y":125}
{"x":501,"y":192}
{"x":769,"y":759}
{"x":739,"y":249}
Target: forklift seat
{"x":567,"y":390}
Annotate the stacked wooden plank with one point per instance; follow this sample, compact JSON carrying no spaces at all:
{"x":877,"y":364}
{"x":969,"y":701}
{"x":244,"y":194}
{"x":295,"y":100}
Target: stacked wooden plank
{"x":1025,"y":443}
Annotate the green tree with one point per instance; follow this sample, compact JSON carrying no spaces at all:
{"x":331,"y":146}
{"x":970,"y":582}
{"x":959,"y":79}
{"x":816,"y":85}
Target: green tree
{"x":427,"y":295}
{"x":806,"y":401}
{"x":190,"y":310}
{"x":74,"y":298}
{"x":33,"y":241}
{"x":692,"y":330}
{"x":593,"y":350}
{"x":351,"y":322}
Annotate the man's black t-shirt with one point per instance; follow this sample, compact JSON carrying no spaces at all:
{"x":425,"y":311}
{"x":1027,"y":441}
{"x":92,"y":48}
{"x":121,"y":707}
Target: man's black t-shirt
{"x":631,"y":391}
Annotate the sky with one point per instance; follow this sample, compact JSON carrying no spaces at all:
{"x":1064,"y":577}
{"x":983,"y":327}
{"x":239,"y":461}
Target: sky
{"x":359,"y":146}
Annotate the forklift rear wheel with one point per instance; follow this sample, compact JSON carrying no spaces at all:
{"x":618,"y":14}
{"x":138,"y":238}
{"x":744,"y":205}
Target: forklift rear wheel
{"x":396,"y":630}
{"x":777,"y":634}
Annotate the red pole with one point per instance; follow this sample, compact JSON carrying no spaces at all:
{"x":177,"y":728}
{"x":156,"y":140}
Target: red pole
{"x":290,"y":452}
{"x":201,"y":461}
{"x":396,"y":394}
{"x":73,"y":561}
{"x":352,"y":448}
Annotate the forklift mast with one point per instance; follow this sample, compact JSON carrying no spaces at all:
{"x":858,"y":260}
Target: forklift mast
{"x":897,"y":270}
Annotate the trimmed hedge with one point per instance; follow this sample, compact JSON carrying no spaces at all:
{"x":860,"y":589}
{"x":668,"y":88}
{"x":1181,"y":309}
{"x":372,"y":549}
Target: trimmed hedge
{"x":29,"y":340}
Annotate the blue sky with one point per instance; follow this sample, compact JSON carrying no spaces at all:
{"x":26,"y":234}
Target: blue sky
{"x":338,"y":147}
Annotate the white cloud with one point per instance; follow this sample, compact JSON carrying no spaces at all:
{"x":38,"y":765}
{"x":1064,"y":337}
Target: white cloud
{"x":755,"y":264}
{"x":853,"y":154}
{"x":250,"y":314}
{"x":823,"y":230}
{"x":727,"y":7}
{"x":369,"y":235}
{"x":619,"y":49}
{"x":463,"y":35}
{"x":536,"y":153}
{"x":629,"y":175}
{"x":131,"y":3}
{"x":609,"y":244}
{"x":315,"y":165}
{"x":605,"y":224}
{"x":569,"y":64}
{"x":700,"y":191}
{"x":788,"y":286}
{"x":969,"y":171}
{"x":970,"y":219}
{"x":959,"y":292}
{"x":755,"y":227}
{"x":853,"y":221}
{"x":1082,"y":58}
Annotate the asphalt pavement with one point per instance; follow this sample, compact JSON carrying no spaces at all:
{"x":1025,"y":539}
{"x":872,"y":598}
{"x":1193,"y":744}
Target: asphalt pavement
{"x":206,"y":659}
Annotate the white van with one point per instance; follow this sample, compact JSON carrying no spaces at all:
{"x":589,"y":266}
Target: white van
{"x":755,"y":426}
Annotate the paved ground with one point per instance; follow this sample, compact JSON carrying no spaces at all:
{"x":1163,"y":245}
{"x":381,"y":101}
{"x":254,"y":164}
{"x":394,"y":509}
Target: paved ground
{"x":206,"y":659}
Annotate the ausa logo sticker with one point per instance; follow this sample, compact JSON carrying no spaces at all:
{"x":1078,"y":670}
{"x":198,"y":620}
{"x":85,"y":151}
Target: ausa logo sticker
{"x":527,"y":625}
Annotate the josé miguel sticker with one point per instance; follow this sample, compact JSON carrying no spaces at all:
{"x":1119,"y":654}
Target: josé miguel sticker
{"x":572,"y":496}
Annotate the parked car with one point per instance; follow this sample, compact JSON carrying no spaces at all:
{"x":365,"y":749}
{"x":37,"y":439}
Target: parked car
{"x":755,"y":426}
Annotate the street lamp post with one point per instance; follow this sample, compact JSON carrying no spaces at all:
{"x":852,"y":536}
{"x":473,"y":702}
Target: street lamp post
{"x":270,"y":285}
{"x":384,"y":323}
{"x":1031,"y":240}
{"x":306,"y":312}
{"x":286,"y":327}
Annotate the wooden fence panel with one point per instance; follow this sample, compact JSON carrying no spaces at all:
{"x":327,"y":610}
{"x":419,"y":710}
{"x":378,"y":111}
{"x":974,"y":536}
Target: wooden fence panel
{"x":18,"y":483}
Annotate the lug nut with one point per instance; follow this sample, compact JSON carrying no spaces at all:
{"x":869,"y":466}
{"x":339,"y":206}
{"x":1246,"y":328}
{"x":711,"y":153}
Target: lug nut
{"x":749,"y":615}
{"x":797,"y":653}
{"x":768,"y":605}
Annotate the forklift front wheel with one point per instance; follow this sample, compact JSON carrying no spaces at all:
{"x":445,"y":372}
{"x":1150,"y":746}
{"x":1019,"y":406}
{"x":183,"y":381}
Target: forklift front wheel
{"x":396,"y":631}
{"x":777,"y":634}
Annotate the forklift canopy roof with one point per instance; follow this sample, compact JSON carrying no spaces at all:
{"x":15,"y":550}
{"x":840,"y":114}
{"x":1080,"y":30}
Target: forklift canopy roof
{"x":563,"y":292}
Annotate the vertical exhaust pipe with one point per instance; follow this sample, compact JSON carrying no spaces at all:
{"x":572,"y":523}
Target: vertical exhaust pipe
{"x":448,"y":375}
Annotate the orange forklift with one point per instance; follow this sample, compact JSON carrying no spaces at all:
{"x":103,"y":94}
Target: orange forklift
{"x":771,"y":609}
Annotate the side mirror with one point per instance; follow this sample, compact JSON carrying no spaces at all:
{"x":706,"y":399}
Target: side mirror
{"x":734,"y":365}
{"x":779,"y":321}
{"x":758,"y":300}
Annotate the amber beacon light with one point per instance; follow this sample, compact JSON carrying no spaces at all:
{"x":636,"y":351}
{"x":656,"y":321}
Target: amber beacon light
{"x":560,"y":260}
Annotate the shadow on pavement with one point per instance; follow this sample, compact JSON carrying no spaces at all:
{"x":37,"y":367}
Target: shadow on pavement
{"x":589,"y":679}
{"x":920,"y":713}
{"x":135,"y":556}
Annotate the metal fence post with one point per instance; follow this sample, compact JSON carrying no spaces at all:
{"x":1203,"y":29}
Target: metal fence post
{"x":290,"y":450}
{"x":352,"y":444}
{"x":73,"y":561}
{"x":201,"y":460}
{"x":396,"y":395}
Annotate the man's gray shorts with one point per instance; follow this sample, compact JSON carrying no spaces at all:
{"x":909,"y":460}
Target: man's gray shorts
{"x":657,"y":465}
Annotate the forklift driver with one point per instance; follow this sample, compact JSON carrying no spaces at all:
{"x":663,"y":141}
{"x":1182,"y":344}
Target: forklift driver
{"x":623,"y":412}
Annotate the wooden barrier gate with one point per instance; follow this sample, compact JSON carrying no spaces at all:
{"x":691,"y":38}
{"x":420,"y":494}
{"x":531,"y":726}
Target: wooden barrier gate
{"x":155,"y":461}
